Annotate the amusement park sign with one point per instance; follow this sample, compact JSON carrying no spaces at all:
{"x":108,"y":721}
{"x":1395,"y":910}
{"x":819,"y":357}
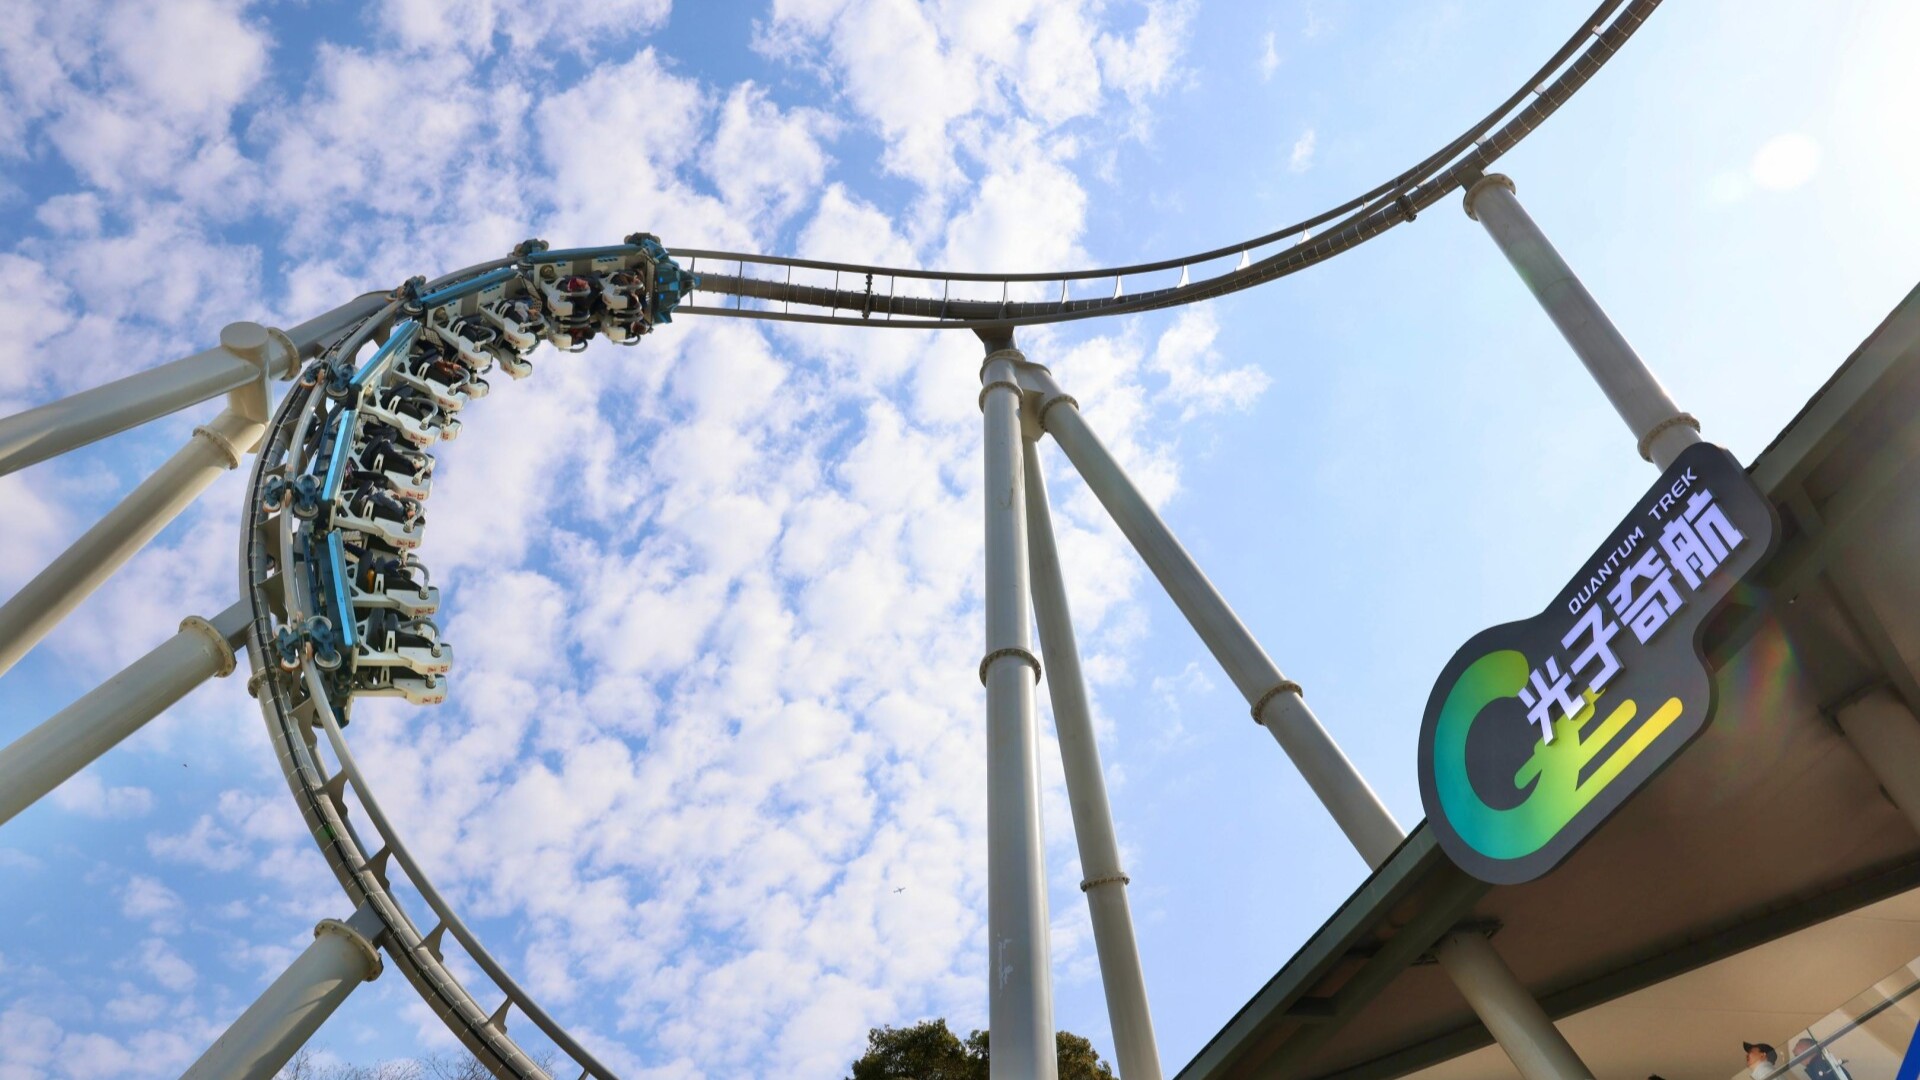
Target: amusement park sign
{"x":1538,"y":730}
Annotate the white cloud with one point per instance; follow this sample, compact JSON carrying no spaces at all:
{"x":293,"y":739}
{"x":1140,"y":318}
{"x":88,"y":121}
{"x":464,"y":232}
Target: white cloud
{"x":1269,"y":56}
{"x":1173,"y":692}
{"x":74,"y":213}
{"x":1144,"y":63}
{"x":1785,"y":162}
{"x":1196,"y":377}
{"x":37,"y":527}
{"x":713,"y":754}
{"x":765,"y":162}
{"x":204,"y":844}
{"x":1316,"y":22}
{"x":23,"y":362}
{"x":148,"y":900}
{"x":166,"y":967}
{"x":141,"y":98}
{"x":473,"y":25}
{"x":333,"y":157}
{"x":1061,"y":76}
{"x":27,"y":1041}
{"x":896,"y":68}
{"x":924,"y":74}
{"x":133,"y":1007}
{"x":187,"y":57}
{"x":1028,"y":211}
{"x":1300,"y":158}
{"x":639,"y":125}
{"x":87,"y":796}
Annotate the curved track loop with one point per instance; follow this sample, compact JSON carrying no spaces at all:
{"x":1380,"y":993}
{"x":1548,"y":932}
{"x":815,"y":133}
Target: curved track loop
{"x":304,"y":496}
{"x":296,"y":712}
{"x":305,"y":672}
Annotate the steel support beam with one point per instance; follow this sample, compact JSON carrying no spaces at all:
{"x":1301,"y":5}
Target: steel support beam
{"x":1661,"y":429}
{"x":1276,"y":700}
{"x":1104,"y":881}
{"x":72,"y":738}
{"x":265,"y":1037}
{"x":247,"y":353}
{"x":1517,"y":1022}
{"x":72,"y":576}
{"x":1020,"y":994}
{"x":1279,"y":707}
{"x":1439,"y":911}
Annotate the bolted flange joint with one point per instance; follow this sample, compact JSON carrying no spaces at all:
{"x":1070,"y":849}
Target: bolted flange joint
{"x":996,"y":384}
{"x":359,"y":941}
{"x":1025,"y":657}
{"x":1473,"y":191}
{"x":219,"y":441}
{"x":1285,"y":686}
{"x":1661,"y":428}
{"x":223,"y":652}
{"x":1013,"y":355}
{"x":1012,"y":358}
{"x":1045,"y":406}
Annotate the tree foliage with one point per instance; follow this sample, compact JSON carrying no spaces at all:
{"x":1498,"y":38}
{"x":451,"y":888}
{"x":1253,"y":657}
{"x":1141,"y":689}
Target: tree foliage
{"x":930,"y":1051}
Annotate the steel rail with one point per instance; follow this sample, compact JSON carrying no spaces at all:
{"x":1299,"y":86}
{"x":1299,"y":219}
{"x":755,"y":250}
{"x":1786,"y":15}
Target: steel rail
{"x":1359,"y":219}
{"x":1594,"y":26}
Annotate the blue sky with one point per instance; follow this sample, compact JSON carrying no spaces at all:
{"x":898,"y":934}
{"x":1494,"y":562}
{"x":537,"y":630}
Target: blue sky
{"x":716,"y":599}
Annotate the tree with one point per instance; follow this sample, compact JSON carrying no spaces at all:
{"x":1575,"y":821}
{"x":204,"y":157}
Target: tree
{"x":925,"y":1051}
{"x":929,"y":1051}
{"x":1078,"y":1059}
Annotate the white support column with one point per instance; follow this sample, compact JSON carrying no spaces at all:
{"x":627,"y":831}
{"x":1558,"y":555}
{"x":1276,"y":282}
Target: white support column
{"x":1662,"y":429}
{"x":1528,"y":1036}
{"x":1105,"y":883}
{"x":1886,"y":735}
{"x":247,"y":352}
{"x":1020,"y":992}
{"x":1517,"y":1022}
{"x":1276,"y":701}
{"x":274,"y":1027}
{"x":47,"y":756}
{"x":40,"y":605}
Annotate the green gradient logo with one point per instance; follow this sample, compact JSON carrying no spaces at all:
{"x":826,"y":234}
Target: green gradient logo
{"x":1537,"y":731}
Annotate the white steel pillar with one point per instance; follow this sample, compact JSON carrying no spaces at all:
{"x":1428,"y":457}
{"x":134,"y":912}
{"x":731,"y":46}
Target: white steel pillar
{"x":275,"y":1026}
{"x":1662,"y":429}
{"x":1105,"y":883}
{"x":1276,"y":701}
{"x":1528,"y":1036}
{"x":40,"y":605}
{"x":1516,"y":1021}
{"x":1886,"y":735}
{"x":47,"y":756}
{"x":1020,"y":992}
{"x":246,"y":351}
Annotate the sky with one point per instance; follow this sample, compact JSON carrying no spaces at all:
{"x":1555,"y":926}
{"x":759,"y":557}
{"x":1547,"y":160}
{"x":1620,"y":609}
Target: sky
{"x":710,"y":780}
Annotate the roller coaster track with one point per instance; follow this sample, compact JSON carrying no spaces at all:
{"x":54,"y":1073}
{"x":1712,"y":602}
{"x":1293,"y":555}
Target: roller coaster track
{"x":339,"y":607}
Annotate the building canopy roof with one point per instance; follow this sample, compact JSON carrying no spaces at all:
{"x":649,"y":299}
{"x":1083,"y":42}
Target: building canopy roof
{"x":1769,"y":828}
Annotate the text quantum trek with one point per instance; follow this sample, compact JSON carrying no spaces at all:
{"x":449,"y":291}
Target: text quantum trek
{"x":1537,"y":731}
